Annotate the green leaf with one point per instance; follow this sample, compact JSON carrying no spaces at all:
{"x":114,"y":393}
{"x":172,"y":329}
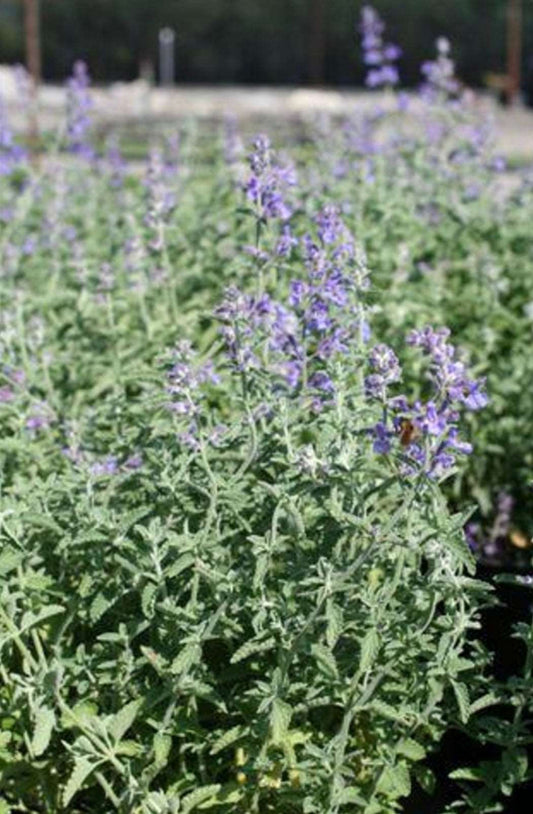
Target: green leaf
{"x":389,"y":712}
{"x":44,"y":725}
{"x":335,"y":623}
{"x":185,"y":659}
{"x":9,"y":561}
{"x":202,"y":795}
{"x":80,"y":772}
{"x":82,"y":714}
{"x":473,"y":774}
{"x":395,"y":781}
{"x":31,"y":619}
{"x":254,"y":646}
{"x":162,"y":745}
{"x":129,"y":748}
{"x":369,"y":650}
{"x":124,"y":719}
{"x":99,"y":605}
{"x":280,"y":719}
{"x":181,"y":564}
{"x":463,"y":700}
{"x":156,"y":802}
{"x":411,"y":749}
{"x":42,"y":521}
{"x":425,"y":778}
{"x":487,"y":700}
{"x":349,"y":796}
{"x":231,"y":736}
{"x":131,"y":518}
{"x":148,"y":598}
{"x":325,"y":660}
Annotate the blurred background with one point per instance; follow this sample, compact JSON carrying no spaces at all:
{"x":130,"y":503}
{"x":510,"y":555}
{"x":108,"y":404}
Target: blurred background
{"x":156,"y":61}
{"x":278,"y":42}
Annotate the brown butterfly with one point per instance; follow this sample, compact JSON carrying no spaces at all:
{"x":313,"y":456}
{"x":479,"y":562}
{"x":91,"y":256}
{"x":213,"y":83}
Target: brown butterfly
{"x":408,"y":432}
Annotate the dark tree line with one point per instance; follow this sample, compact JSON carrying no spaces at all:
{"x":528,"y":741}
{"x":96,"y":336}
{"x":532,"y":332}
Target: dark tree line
{"x":270,"y":41}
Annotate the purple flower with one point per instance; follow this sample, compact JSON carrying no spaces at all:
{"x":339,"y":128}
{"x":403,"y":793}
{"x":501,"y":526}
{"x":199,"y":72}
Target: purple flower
{"x":474,"y":398}
{"x":298,"y":291}
{"x":115,"y":165}
{"x":286,"y":242}
{"x":79,"y":106}
{"x":216,"y":435}
{"x":379,"y":56}
{"x":11,"y":154}
{"x":73,"y":453}
{"x":440,"y":73}
{"x":291,"y":370}
{"x":161,"y":200}
{"x":185,"y":378}
{"x":432,"y":422}
{"x":382,"y":443}
{"x":386,"y":367}
{"x":471,"y":532}
{"x":40,"y":417}
{"x":330,"y":226}
{"x":134,"y":461}
{"x":502,"y":522}
{"x":107,"y":466}
{"x":268,"y":182}
{"x":441,"y":461}
{"x":6,"y":395}
{"x":189,"y":438}
{"x":321,"y":381}
{"x":427,"y":431}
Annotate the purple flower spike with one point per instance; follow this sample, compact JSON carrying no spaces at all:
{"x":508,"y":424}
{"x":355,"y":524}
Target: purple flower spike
{"x":378,"y":55}
{"x":321,"y":381}
{"x":382,"y":439}
{"x":268,"y":183}
{"x":79,"y":106}
{"x":386,"y":367}
{"x":440,"y":73}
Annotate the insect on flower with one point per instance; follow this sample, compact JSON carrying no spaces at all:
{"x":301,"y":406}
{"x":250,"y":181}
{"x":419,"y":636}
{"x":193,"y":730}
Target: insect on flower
{"x":519,"y":540}
{"x":408,"y":432}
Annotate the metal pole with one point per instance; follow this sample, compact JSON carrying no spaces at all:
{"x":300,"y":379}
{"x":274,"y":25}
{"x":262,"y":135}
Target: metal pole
{"x":167,"y":39}
{"x":514,"y":49}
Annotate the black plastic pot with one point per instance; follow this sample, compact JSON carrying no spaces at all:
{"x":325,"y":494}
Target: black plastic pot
{"x":515,"y":604}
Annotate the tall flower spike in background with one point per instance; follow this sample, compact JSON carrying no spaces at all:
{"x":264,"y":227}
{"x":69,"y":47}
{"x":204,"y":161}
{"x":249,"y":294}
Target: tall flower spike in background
{"x":79,"y":106}
{"x":380,"y":57}
{"x":11,"y":153}
{"x":440,"y":73}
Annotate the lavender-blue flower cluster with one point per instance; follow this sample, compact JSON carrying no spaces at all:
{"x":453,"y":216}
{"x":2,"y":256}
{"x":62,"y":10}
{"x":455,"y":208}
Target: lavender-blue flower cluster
{"x":79,"y":107}
{"x":321,"y":317}
{"x":267,"y":185}
{"x":439,"y":74}
{"x":425,"y":432}
{"x":379,"y":56}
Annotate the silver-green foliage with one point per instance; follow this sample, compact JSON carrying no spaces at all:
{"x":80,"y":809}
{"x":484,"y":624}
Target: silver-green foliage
{"x":276,"y":622}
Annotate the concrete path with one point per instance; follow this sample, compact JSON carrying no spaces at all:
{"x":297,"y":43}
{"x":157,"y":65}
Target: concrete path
{"x":138,"y":103}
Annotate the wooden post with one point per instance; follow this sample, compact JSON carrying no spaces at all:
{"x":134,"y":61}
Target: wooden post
{"x":32,"y":38}
{"x":514,"y":49}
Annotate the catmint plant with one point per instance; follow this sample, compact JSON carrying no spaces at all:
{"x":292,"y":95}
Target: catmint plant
{"x":245,"y":472}
{"x":379,"y":57}
{"x":79,"y":106}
